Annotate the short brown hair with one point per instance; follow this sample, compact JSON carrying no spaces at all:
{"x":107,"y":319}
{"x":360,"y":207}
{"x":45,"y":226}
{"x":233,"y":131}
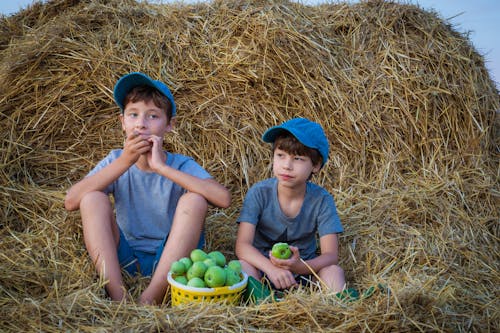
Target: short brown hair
{"x":287,"y":142}
{"x":147,"y":94}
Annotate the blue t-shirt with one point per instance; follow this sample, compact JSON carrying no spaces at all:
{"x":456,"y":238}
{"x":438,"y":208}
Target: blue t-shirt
{"x":145,"y":202}
{"x":318,"y":215}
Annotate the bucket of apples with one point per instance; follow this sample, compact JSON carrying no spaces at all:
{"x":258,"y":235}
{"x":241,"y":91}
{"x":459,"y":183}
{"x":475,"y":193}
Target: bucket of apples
{"x":206,"y":277}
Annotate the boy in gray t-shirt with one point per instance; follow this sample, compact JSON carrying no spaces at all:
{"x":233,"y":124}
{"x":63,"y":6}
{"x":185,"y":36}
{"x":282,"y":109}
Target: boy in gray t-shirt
{"x":288,"y":208}
{"x":160,"y":198}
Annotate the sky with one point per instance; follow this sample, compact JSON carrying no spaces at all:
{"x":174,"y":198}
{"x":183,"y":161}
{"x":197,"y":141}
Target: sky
{"x":476,"y":17}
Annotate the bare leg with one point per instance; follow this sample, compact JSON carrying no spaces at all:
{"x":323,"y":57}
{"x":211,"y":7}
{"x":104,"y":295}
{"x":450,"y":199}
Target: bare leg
{"x":101,"y":236}
{"x":183,"y":238}
{"x":250,"y":270}
{"x":333,"y":277}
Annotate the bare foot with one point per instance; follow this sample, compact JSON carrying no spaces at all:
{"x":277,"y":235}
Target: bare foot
{"x":153,"y":295}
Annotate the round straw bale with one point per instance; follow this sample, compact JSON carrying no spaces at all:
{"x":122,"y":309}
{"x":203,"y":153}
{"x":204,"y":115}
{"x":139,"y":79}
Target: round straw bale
{"x":407,"y":104}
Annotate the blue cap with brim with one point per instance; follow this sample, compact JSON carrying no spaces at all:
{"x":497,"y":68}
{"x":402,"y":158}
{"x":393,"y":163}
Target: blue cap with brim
{"x":132,"y":80}
{"x":309,"y":133}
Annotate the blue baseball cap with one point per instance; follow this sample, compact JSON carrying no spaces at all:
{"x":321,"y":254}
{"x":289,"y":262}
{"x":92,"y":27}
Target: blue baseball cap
{"x":132,"y":80}
{"x":309,"y":133}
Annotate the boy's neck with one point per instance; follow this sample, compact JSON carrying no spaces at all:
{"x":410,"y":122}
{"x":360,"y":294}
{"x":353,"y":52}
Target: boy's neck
{"x":142,"y":164}
{"x":291,"y":199}
{"x":287,"y":192}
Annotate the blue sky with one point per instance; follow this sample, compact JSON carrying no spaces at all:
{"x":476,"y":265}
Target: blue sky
{"x":478,"y":17}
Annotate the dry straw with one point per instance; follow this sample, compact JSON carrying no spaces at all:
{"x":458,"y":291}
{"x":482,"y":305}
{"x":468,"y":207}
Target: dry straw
{"x":405,"y":100}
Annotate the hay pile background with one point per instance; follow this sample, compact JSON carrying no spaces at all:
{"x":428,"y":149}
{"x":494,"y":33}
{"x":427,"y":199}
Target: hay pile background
{"x":406,"y":103}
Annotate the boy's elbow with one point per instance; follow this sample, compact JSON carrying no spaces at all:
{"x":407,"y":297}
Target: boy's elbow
{"x":237,"y":250}
{"x":222,"y":199}
{"x":70,"y":203}
{"x":226,"y":201}
{"x":242,"y":251}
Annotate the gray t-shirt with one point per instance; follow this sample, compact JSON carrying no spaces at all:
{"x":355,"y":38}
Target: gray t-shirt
{"x":145,"y":202}
{"x":318,"y":215}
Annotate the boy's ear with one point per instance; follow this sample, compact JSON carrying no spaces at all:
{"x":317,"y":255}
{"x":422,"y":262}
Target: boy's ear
{"x":121,"y":121}
{"x":171,"y":124}
{"x":316,"y":168}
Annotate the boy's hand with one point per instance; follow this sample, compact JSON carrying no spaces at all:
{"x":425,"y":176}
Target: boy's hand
{"x":281,"y":278}
{"x":289,"y":264}
{"x":156,"y":156}
{"x":135,"y":145}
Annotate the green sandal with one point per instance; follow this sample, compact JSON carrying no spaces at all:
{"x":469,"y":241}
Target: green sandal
{"x":256,"y":291}
{"x":370,"y":291}
{"x":348,"y":295}
{"x":351,"y":294}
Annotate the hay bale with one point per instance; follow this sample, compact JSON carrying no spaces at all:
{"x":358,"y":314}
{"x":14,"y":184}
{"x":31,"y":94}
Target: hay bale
{"x":405,"y":100}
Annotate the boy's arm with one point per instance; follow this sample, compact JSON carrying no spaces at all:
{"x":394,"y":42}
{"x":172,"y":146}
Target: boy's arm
{"x":134,"y":146}
{"x":244,"y":247}
{"x":97,"y":182}
{"x":329,"y":256}
{"x":215,"y":193}
{"x":211,"y":190}
{"x":281,"y":278}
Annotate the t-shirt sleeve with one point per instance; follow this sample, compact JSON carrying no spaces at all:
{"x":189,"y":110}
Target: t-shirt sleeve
{"x":190,"y":166}
{"x":102,"y":164}
{"x":328,"y":219}
{"x":252,"y":207}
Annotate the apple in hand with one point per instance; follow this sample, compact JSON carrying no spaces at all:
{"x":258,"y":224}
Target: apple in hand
{"x":281,"y":251}
{"x":215,"y":276}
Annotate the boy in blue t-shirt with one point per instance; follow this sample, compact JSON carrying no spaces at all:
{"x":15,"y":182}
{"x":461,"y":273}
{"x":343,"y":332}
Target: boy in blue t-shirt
{"x":160,"y":198}
{"x":288,"y":208}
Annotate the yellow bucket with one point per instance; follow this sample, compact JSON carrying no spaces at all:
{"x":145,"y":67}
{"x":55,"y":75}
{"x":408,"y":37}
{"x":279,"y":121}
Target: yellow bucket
{"x":184,"y":294}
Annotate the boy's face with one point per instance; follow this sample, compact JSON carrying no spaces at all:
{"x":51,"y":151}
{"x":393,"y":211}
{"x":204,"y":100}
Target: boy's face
{"x":144,"y":118}
{"x":292,"y":170}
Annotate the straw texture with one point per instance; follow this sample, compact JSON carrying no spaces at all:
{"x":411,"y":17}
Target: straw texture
{"x":407,"y":104}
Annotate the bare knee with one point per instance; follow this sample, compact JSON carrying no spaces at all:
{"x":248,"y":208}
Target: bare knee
{"x":92,"y":199}
{"x":250,"y":270}
{"x":190,"y":214}
{"x":192,"y":203}
{"x":96,"y":206}
{"x":97,"y":212}
{"x":333,"y":276}
{"x":333,"y":270}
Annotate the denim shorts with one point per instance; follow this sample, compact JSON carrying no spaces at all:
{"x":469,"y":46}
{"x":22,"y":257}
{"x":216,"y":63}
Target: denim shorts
{"x":140,"y":262}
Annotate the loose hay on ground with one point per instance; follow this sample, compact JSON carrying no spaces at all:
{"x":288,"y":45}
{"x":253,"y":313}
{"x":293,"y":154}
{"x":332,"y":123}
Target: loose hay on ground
{"x":406,"y":101}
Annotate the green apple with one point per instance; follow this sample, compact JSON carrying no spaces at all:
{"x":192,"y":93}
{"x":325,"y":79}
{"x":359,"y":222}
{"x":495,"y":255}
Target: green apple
{"x":178,"y":268}
{"x":234,"y":265}
{"x":219,"y":258}
{"x":215,"y":276}
{"x":198,"y":255}
{"x":232,"y":277}
{"x":186,"y":261}
{"x":210,"y":262}
{"x":198,"y":269}
{"x":182,"y":279}
{"x":196,"y":282}
{"x":281,"y":251}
